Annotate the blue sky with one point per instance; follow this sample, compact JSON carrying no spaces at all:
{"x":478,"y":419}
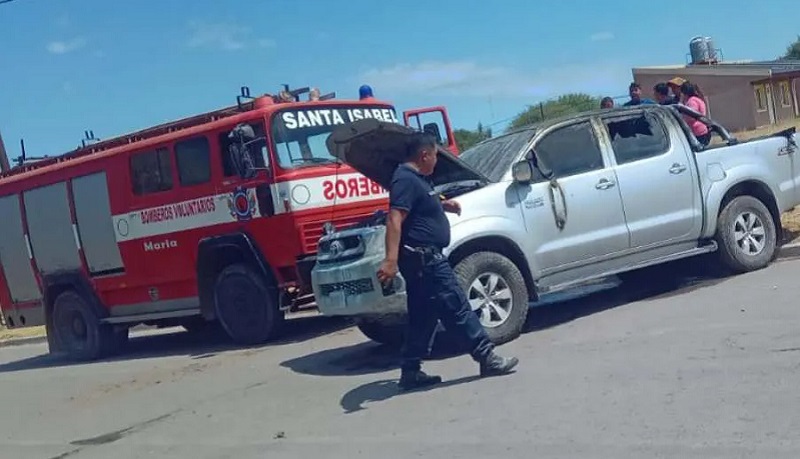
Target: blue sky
{"x":114,"y":66}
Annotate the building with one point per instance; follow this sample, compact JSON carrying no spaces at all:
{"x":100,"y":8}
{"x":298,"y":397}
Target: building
{"x":741,"y":95}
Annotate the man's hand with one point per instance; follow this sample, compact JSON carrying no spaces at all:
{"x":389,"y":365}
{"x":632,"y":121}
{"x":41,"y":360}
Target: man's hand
{"x":452,"y":206}
{"x":387,"y":271}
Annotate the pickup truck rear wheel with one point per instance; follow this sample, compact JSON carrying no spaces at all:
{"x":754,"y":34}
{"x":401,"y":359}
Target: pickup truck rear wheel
{"x":245,"y":307}
{"x":496,"y":292}
{"x":746,"y":235}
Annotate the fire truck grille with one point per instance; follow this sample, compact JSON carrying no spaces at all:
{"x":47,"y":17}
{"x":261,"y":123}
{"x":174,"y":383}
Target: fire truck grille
{"x":312,"y":231}
{"x":354,"y":287}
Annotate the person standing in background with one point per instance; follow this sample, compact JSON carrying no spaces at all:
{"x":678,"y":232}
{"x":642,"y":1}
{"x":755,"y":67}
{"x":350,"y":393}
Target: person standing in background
{"x":693,"y":100}
{"x":635,"y":91}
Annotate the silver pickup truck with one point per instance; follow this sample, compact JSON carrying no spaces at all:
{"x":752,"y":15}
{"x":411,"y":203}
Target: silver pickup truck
{"x":565,"y":202}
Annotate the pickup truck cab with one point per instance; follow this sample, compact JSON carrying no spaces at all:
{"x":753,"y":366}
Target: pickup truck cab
{"x":567,"y":201}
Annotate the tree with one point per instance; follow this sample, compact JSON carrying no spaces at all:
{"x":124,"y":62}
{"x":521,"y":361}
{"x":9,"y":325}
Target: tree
{"x":466,"y":138}
{"x":566,"y":104}
{"x":793,"y":50}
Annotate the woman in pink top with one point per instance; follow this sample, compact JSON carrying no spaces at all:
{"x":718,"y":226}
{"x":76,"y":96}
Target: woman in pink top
{"x":692,"y":98}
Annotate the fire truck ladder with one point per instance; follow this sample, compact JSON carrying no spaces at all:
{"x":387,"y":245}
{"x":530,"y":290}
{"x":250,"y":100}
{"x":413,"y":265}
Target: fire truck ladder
{"x":91,"y":145}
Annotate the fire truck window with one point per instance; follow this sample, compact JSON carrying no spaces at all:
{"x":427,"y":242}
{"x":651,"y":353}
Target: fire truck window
{"x":193,"y":159}
{"x":261,"y":160}
{"x":151,"y":171}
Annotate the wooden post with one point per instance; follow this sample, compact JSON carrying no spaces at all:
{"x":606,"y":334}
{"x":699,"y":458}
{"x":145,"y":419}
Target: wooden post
{"x":4,"y":166}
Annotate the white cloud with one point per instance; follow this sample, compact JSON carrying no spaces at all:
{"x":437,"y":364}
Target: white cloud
{"x":224,"y":36}
{"x":471,"y":78}
{"x":68,"y":46}
{"x":267,"y":43}
{"x":602,"y":36}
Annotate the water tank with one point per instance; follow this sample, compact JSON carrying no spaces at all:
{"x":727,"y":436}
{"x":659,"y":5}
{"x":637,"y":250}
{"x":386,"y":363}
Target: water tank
{"x":702,"y":50}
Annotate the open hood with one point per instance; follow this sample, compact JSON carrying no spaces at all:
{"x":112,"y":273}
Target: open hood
{"x":375,"y":149}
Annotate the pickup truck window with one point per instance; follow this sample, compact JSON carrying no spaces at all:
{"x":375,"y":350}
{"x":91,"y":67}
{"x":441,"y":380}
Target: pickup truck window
{"x":637,"y":137}
{"x":570,"y":150}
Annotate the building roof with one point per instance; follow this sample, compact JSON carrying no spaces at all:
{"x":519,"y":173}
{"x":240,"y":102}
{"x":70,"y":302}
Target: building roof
{"x":764,"y":69}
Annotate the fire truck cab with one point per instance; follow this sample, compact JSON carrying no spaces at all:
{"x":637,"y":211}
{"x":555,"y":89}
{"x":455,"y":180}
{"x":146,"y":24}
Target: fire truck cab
{"x":209,"y":220}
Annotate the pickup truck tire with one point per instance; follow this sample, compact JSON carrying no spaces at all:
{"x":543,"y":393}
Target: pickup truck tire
{"x":245,"y":306}
{"x":497,"y":293}
{"x":392,"y":334}
{"x":78,"y":329}
{"x":746,"y":235}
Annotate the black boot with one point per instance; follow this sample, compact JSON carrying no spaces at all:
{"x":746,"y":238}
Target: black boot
{"x":415,"y":379}
{"x":494,"y":365}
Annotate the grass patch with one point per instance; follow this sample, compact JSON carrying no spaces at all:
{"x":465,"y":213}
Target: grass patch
{"x":27,"y":332}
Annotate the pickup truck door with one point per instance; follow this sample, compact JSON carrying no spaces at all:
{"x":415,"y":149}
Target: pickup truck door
{"x":583,"y":195}
{"x":657,"y":178}
{"x":434,"y":120}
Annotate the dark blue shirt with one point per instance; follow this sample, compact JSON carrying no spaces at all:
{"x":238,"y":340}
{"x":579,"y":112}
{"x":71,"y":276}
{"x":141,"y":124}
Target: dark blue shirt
{"x":638,"y":102}
{"x":426,"y":223}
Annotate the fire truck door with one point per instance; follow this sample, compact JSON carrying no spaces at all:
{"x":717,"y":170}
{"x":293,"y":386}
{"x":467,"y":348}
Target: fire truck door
{"x":435,"y":121}
{"x":15,"y":255}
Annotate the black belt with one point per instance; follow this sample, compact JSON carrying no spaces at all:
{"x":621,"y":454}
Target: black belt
{"x":423,"y":250}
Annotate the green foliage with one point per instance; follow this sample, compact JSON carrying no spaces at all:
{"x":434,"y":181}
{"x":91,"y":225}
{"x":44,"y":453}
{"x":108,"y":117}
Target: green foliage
{"x":793,"y":50}
{"x":561,"y":106}
{"x":466,"y":138}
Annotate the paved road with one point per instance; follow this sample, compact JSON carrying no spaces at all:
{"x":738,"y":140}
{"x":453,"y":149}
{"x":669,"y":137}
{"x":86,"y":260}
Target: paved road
{"x":708,"y":370}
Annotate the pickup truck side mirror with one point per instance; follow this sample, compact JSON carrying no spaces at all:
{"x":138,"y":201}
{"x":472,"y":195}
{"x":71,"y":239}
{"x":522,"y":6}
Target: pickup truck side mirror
{"x":523,"y":171}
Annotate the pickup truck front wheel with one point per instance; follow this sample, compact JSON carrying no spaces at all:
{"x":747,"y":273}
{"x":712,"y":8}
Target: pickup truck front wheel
{"x":746,"y":235}
{"x":496,"y":292}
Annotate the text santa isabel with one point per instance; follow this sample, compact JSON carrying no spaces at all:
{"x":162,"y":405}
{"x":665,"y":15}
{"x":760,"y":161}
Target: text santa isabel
{"x":332,"y":117}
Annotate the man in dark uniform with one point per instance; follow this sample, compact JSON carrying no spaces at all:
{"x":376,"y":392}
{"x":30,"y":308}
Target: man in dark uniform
{"x":416,"y":232}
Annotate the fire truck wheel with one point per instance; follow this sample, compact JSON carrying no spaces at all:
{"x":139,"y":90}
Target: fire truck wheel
{"x":244,"y":306}
{"x":78,"y":329}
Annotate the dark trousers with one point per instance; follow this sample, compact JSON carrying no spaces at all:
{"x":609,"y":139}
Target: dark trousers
{"x":434,"y":293}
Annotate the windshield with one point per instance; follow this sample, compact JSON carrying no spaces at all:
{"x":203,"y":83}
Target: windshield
{"x":493,"y":157}
{"x":299,"y":134}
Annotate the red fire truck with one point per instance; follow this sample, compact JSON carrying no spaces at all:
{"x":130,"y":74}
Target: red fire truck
{"x":212,"y":219}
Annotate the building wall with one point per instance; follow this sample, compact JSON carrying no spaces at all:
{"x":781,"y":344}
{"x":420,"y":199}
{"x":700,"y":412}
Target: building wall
{"x":784,"y":103}
{"x":731,"y":100}
{"x":782,"y":106}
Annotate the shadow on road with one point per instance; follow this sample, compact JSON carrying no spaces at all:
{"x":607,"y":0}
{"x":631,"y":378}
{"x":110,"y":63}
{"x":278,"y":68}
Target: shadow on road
{"x":379,"y":391}
{"x":553,"y":310}
{"x":182,"y":343}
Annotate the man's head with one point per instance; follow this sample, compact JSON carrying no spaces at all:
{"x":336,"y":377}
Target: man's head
{"x":635,"y":91}
{"x":421,"y":152}
{"x":661,"y":92}
{"x":365,"y":91}
{"x":607,"y":102}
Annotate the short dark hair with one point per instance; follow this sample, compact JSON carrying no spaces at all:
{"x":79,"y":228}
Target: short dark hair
{"x":689,"y":89}
{"x":634,"y":85}
{"x":661,"y":88}
{"x":417,"y":142}
{"x":606,"y":100}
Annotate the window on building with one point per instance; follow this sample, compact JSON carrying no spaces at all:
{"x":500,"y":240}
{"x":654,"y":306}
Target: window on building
{"x":761,"y":98}
{"x":151,"y":171}
{"x":261,"y":160}
{"x":786,"y":94}
{"x":570,"y":150}
{"x":193,"y":160}
{"x":637,"y":137}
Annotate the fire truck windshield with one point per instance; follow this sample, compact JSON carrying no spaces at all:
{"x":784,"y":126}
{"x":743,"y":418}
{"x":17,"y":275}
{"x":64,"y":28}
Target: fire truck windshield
{"x":299,"y":134}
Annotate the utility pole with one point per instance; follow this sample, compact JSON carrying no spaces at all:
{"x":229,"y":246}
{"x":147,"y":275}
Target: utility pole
{"x":4,"y":166}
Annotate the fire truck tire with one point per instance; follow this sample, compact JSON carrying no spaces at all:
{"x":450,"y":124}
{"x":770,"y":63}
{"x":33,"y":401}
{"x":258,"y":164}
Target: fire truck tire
{"x":78,"y":329}
{"x":245,"y":307}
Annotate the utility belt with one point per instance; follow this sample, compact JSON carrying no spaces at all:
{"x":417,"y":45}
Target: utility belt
{"x":423,"y":254}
